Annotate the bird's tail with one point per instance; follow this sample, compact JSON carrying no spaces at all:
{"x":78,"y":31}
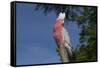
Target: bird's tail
{"x":69,"y":51}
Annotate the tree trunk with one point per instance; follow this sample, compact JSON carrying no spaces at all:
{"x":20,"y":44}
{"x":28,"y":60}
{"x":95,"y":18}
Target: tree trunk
{"x":63,"y":54}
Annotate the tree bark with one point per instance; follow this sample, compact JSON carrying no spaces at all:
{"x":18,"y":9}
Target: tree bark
{"x":63,"y":54}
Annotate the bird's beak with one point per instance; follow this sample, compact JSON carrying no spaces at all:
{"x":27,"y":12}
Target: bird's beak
{"x":62,"y":24}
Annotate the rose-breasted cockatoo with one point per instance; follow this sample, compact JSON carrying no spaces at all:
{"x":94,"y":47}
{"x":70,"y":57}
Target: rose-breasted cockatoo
{"x":61,"y":35}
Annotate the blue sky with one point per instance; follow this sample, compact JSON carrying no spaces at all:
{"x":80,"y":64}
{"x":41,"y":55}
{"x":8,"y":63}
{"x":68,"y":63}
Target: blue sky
{"x":34,"y":36}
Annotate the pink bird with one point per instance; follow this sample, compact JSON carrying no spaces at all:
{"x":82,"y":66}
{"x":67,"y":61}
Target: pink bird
{"x":61,"y":35}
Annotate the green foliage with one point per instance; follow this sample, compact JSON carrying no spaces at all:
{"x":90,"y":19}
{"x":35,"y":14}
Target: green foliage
{"x":87,"y":51}
{"x":72,"y":12}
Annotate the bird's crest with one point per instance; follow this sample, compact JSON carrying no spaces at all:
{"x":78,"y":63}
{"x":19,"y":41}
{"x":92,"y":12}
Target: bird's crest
{"x":61,"y":16}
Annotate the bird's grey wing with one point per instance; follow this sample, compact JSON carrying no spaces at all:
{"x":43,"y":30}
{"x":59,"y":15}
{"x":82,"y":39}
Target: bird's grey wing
{"x":66,"y":37}
{"x":67,"y":43}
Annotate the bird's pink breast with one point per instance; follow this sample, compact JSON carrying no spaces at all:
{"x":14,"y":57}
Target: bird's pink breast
{"x":57,"y":32}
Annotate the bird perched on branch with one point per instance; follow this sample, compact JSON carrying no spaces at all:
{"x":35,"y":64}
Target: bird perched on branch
{"x":61,"y":35}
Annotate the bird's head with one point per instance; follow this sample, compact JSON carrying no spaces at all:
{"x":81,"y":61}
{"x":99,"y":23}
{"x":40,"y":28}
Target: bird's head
{"x":61,"y":17}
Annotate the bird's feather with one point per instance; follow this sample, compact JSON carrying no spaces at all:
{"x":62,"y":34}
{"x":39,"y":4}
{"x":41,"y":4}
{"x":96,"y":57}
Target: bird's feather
{"x":66,"y":40}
